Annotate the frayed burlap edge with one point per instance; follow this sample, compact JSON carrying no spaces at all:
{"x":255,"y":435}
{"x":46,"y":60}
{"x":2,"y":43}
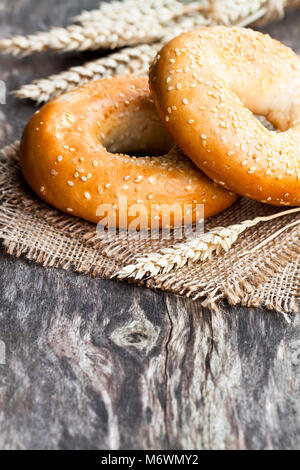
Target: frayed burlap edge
{"x":30,"y":228}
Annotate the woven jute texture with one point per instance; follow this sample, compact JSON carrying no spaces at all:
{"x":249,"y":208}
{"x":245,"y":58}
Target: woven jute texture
{"x":268,"y":277}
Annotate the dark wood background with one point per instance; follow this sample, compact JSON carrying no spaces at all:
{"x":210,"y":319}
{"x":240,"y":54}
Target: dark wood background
{"x":96,"y":364}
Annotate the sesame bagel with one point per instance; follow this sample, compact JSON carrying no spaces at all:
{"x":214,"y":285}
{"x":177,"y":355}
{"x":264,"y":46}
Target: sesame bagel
{"x":208,"y":84}
{"x":75,"y":154}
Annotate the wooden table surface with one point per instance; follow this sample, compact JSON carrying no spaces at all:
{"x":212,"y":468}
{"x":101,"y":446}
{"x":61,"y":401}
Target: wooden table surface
{"x":97,"y":364}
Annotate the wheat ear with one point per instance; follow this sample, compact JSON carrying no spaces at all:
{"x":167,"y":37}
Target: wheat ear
{"x":107,"y":34}
{"x":131,"y":60}
{"x":10,"y":151}
{"x":197,"y":249}
{"x":113,"y":33}
{"x":137,"y":59}
{"x":133,"y":10}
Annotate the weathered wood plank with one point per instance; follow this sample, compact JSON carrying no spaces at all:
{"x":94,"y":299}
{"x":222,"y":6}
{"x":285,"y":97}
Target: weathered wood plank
{"x":94,"y":364}
{"x":98,"y":364}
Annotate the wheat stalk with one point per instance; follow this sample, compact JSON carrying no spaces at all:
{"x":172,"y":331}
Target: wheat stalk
{"x":197,"y":249}
{"x":107,"y":34}
{"x":131,"y":60}
{"x":133,"y":10}
{"x":137,"y":59}
{"x":120,"y":31}
{"x":80,"y":38}
{"x":10,"y":151}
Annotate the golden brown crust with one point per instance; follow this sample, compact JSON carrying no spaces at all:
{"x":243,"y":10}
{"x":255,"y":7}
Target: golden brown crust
{"x":204,"y":84}
{"x":64,"y":156}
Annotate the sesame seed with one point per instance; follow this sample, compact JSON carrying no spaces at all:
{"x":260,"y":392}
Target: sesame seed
{"x":125,"y":186}
{"x":53,"y":172}
{"x":185,"y":101}
{"x":178,"y":86}
{"x":95,"y":163}
{"x":69,"y":209}
{"x":138,"y":179}
{"x":150,"y":196}
{"x":107,"y":185}
{"x":191,"y":121}
{"x":83,"y":178}
{"x":87,"y":195}
{"x":70,"y":183}
{"x":126,"y":178}
{"x":42,"y":189}
{"x":59,"y":158}
{"x":188,"y":188}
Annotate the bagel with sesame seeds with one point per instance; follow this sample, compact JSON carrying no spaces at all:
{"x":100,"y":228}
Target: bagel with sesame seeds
{"x":75,"y":154}
{"x":208,"y":84}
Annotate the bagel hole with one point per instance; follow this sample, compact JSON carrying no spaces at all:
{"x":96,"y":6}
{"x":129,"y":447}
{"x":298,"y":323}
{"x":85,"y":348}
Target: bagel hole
{"x":266,"y":123}
{"x":136,"y":130}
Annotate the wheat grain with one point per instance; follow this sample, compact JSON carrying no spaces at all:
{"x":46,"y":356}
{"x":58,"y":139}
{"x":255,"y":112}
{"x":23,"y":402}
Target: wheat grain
{"x":197,"y":249}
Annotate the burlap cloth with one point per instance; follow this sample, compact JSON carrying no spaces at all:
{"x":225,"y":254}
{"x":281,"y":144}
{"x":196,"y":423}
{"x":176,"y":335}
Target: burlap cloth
{"x":268,"y":277}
